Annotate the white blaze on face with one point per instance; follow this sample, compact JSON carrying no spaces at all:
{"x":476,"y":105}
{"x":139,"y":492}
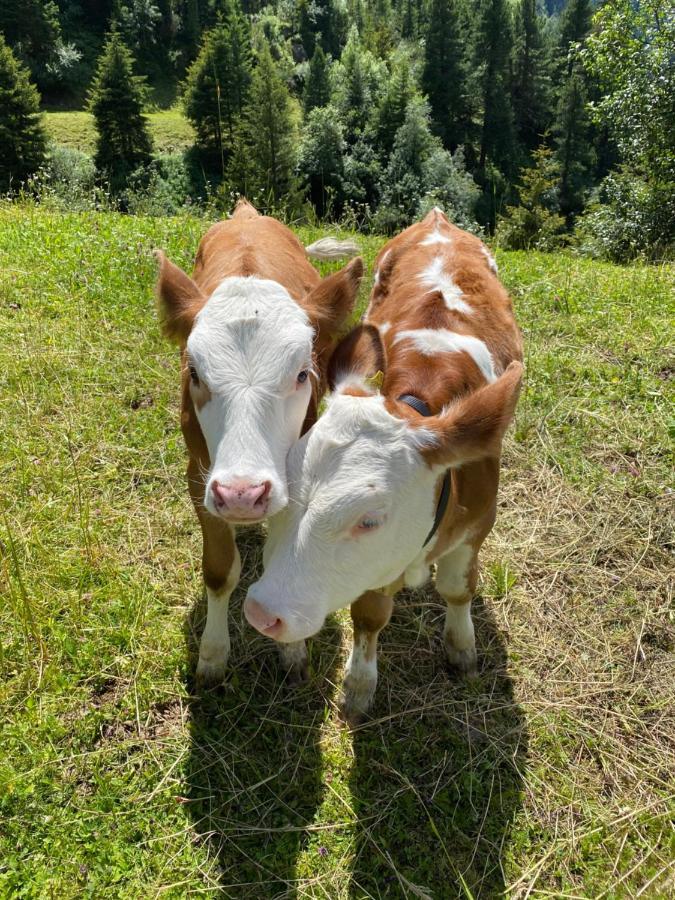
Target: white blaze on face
{"x":361,"y":505}
{"x":248,"y":345}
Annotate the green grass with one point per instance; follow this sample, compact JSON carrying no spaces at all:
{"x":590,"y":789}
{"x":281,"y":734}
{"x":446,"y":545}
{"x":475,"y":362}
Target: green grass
{"x":170,"y":130}
{"x":551,"y":774}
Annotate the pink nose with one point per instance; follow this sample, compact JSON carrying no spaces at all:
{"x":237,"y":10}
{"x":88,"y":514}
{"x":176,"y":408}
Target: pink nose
{"x":241,"y":499}
{"x":260,"y":617}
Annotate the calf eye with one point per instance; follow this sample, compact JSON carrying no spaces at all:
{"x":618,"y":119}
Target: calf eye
{"x":193,"y":375}
{"x":368,"y":523}
{"x":303,"y":376}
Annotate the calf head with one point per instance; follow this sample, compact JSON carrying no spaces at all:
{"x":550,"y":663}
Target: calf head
{"x":362,"y":490}
{"x":248,"y":366}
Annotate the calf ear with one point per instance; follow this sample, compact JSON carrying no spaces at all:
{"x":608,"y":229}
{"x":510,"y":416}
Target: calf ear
{"x":332,"y":300}
{"x":359,"y":354}
{"x":473,"y":427}
{"x":179,"y":299}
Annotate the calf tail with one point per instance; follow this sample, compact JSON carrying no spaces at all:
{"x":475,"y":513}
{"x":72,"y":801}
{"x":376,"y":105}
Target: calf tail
{"x":331,"y":249}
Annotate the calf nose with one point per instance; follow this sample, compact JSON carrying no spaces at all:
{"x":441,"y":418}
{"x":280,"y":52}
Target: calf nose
{"x":265,"y":621}
{"x":241,"y":498}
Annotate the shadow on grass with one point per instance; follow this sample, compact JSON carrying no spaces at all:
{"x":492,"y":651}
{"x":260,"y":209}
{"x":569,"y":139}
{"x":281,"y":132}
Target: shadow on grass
{"x":437,"y":774}
{"x":254,"y":768}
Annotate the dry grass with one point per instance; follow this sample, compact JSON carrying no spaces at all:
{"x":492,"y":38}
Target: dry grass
{"x":550,"y":774}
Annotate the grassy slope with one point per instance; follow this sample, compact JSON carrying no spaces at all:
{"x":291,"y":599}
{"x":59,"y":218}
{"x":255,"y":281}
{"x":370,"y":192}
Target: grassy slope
{"x":550,"y":773}
{"x":169,"y":128}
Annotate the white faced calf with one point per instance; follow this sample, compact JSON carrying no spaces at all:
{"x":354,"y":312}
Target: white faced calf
{"x":366,"y":482}
{"x":255,"y":325}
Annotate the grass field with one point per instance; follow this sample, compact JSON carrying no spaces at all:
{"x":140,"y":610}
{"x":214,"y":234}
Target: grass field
{"x":170,"y":130}
{"x":550,"y":774}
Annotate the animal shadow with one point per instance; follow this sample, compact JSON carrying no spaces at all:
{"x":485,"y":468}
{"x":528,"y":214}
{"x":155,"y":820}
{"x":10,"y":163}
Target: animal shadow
{"x":254,"y":767}
{"x":437,"y":777}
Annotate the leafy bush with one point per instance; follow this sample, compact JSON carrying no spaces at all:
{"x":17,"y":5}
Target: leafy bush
{"x":163,"y":188}
{"x":630,"y":218}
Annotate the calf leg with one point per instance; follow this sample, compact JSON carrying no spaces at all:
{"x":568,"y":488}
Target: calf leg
{"x":370,"y":613}
{"x":456,"y":577}
{"x":221,"y":566}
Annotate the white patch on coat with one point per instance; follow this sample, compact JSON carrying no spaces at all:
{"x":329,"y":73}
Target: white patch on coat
{"x":248,"y":344}
{"x":436,"y":279}
{"x":430,"y":341}
{"x":436,"y":237}
{"x":383,"y":328}
{"x":492,"y":263}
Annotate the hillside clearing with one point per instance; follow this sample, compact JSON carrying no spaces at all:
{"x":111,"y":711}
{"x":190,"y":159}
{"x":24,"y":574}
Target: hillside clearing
{"x":170,"y":130}
{"x":551,"y":773}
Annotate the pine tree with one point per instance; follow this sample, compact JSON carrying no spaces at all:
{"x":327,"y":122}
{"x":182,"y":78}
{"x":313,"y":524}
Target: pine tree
{"x":271,"y":130}
{"x":492,"y":59}
{"x":321,"y":161}
{"x":217,"y":86}
{"x":116,"y":101}
{"x":534,"y":223}
{"x":317,"y":88}
{"x":403,"y":182}
{"x":391,"y":113}
{"x":572,"y":128}
{"x":531,"y":78}
{"x":22,"y":137}
{"x":575,"y":24}
{"x":444,"y":76}
{"x":574,"y":150}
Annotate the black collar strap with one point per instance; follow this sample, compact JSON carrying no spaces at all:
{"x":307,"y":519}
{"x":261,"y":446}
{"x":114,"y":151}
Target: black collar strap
{"x":421,"y":407}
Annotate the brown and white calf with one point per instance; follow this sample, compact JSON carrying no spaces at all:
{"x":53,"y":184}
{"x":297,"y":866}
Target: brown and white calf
{"x":366,"y":480}
{"x":256,"y":325}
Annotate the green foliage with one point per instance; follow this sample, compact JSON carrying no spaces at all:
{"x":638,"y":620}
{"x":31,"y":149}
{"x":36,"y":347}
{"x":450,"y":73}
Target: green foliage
{"x":444,"y":78}
{"x":630,"y":52}
{"x":271,"y":136}
{"x":321,"y":160}
{"x":116,"y":102}
{"x":534,"y":224}
{"x":400,"y":90}
{"x":421,"y":174}
{"x":358,"y":81}
{"x":492,"y":56}
{"x":630,"y":218}
{"x":574,"y":150}
{"x":217,"y":86}
{"x":33,"y":30}
{"x":22,"y":136}
{"x":531,"y":76}
{"x":317,"y":87}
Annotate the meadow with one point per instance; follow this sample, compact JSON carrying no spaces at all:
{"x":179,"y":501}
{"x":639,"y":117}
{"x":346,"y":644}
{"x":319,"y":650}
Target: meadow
{"x":170,"y":130}
{"x":549,"y":774}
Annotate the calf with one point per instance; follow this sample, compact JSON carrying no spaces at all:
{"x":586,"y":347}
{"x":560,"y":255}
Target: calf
{"x":256,"y":325}
{"x":389,"y":481}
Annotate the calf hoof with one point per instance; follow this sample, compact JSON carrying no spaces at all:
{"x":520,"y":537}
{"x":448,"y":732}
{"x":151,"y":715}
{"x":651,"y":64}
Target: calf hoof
{"x":212,"y":665}
{"x":295,"y":661}
{"x":463,"y":661}
{"x":356,"y":700}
